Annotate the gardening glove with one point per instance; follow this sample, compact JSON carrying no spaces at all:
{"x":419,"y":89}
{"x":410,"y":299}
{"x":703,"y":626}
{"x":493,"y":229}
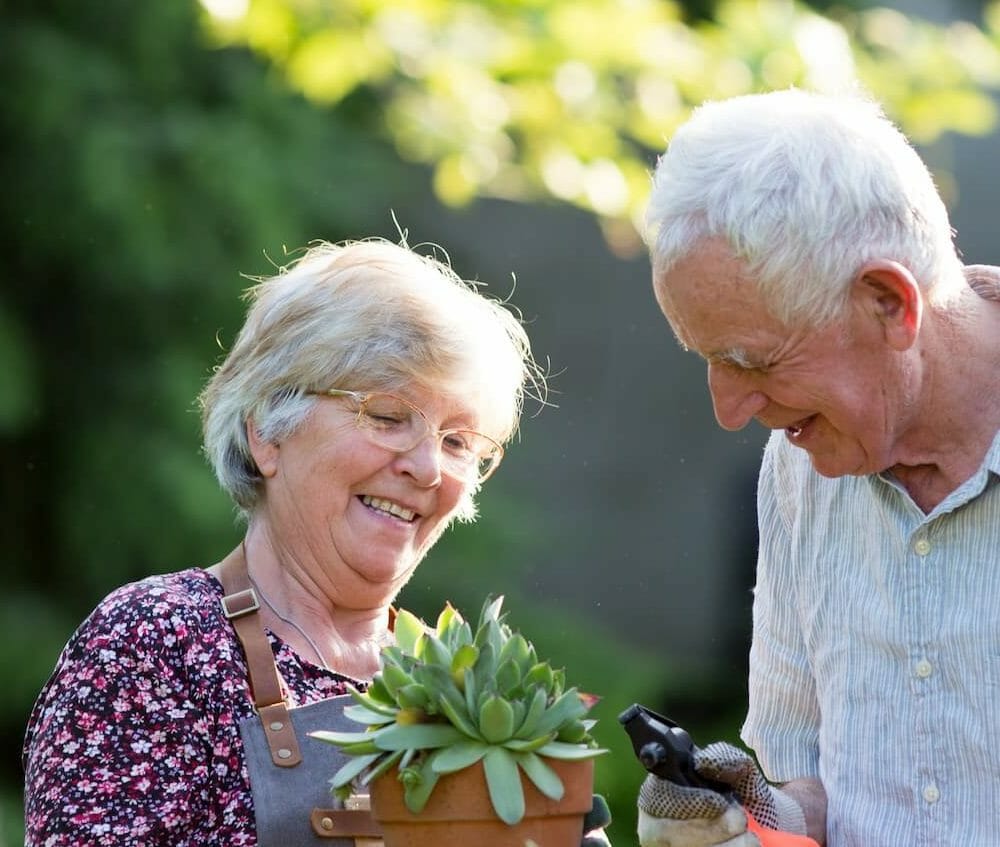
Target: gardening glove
{"x":771,"y":807}
{"x":594,"y":823}
{"x":672,"y":815}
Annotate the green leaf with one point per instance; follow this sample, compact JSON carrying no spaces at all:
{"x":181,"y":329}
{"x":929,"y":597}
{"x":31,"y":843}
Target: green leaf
{"x":567,"y":708}
{"x":421,"y":735}
{"x":363,"y":714}
{"x":373,"y":705}
{"x":454,"y":709}
{"x":413,"y":696}
{"x":435,"y":653}
{"x":417,"y":791}
{"x":536,"y":708}
{"x":508,"y":676}
{"x":408,"y":629}
{"x":464,"y":657}
{"x":545,"y":779}
{"x":496,"y":720}
{"x":352,"y":768}
{"x":460,"y":756}
{"x":569,"y":752}
{"x":387,"y":762}
{"x":341,"y":738}
{"x":504,"y":784}
{"x":394,"y":678}
{"x":528,"y":745}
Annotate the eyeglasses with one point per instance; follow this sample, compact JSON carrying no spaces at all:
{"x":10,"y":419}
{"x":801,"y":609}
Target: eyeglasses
{"x":396,"y":424}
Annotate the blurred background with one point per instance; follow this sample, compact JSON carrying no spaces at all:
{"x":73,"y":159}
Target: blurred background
{"x":156,"y":155}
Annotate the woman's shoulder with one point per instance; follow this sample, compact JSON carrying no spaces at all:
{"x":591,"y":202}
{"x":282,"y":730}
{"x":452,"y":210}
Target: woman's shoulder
{"x":162,"y":614}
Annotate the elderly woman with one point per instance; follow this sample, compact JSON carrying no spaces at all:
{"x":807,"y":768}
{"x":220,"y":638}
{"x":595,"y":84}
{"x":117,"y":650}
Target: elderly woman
{"x":365,"y":401}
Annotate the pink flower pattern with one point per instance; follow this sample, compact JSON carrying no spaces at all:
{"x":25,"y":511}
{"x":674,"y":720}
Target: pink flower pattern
{"x":134,"y":740}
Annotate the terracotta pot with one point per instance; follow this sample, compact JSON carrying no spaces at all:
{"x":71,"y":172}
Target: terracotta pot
{"x":459,"y":812}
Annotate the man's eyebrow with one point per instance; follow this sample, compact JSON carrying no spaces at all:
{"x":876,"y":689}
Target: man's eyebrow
{"x":735,"y":356}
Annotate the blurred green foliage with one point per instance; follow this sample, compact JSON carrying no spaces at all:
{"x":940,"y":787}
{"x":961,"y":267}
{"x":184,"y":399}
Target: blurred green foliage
{"x":153,"y":152}
{"x":570,"y":99}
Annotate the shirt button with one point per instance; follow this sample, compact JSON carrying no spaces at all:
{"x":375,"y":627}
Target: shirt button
{"x":931,"y":793}
{"x":922,"y":547}
{"x":924,"y":669}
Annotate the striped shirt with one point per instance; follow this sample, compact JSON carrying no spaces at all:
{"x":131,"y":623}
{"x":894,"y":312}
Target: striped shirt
{"x":875,"y":662}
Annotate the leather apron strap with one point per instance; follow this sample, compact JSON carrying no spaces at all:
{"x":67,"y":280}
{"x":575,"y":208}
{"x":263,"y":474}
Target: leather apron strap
{"x":241,"y":606}
{"x":277,"y":799}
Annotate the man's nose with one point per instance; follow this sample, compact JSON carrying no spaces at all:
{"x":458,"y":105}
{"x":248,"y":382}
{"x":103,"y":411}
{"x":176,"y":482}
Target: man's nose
{"x":734,"y":397}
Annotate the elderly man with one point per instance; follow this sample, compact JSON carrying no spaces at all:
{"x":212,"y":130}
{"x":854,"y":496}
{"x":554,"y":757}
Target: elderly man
{"x":800,"y":247}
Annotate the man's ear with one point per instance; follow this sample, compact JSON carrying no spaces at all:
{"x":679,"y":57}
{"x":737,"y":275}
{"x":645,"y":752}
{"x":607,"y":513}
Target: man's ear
{"x":888,"y":292}
{"x":265,"y":453}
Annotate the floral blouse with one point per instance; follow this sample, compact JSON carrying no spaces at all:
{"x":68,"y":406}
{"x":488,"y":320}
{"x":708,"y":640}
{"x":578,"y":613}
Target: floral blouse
{"x":135,"y":738}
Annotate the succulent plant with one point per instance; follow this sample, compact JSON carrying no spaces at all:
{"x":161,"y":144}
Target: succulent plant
{"x":447,"y":698}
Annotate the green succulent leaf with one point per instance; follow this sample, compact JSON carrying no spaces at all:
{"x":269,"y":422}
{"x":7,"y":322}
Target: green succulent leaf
{"x":351,"y":768}
{"x":517,"y":651}
{"x":451,"y":759}
{"x":394,"y":678}
{"x":545,"y":779}
{"x":569,"y":752}
{"x":504,"y":784}
{"x":384,"y":765}
{"x":575,"y":732}
{"x":408,"y":629}
{"x":496,"y":720}
{"x":567,"y":708}
{"x":540,"y":674}
{"x":448,"y":621}
{"x":508,"y":677}
{"x":341,"y":738}
{"x":363,"y":714}
{"x":471,"y":691}
{"x":418,"y":787}
{"x":464,"y":657}
{"x":377,"y":690}
{"x":420,"y":735}
{"x":528,"y":745}
{"x":371,"y":704}
{"x":435,"y":652}
{"x":413,"y":696}
{"x":535,"y":710}
{"x":491,"y":609}
{"x":455,"y":710}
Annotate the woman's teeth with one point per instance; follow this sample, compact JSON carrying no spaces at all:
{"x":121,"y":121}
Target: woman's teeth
{"x":388,"y":507}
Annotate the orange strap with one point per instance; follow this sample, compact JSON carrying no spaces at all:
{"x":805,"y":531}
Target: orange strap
{"x":776,"y":838}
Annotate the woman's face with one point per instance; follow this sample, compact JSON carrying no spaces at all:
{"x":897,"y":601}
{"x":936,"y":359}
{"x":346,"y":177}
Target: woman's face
{"x":357,"y":517}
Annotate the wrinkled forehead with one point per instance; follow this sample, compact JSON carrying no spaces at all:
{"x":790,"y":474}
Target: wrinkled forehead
{"x":705,"y":292}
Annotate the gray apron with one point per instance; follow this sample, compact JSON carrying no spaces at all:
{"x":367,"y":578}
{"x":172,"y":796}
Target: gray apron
{"x":289,"y":771}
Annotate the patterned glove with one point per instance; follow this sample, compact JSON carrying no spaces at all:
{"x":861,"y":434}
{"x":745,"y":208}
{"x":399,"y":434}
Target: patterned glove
{"x":771,"y":807}
{"x":672,"y":815}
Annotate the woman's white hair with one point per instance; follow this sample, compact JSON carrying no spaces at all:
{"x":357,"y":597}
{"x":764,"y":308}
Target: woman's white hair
{"x":805,"y":188}
{"x":362,"y":315}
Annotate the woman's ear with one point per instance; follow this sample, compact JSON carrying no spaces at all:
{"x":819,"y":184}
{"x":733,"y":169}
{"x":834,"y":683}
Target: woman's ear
{"x":889,"y":293}
{"x":265,"y":453}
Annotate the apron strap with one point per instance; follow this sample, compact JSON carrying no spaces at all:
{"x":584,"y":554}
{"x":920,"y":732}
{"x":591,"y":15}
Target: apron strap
{"x":241,"y":605}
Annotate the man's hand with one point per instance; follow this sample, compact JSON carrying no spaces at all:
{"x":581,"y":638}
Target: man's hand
{"x":770,"y":806}
{"x":672,"y":815}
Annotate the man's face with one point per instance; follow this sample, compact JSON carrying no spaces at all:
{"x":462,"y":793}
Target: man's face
{"x":832,"y":390}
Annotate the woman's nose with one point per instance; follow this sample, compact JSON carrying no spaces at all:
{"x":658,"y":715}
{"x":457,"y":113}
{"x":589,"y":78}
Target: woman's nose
{"x":734,"y":397}
{"x":423,"y":461}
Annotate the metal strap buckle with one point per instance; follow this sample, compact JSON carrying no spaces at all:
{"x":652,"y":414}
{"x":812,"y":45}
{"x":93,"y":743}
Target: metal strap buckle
{"x":239,"y":604}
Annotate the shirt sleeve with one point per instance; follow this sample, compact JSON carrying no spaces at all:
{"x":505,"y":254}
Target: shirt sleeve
{"x":782,"y":724}
{"x":119,"y":750}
